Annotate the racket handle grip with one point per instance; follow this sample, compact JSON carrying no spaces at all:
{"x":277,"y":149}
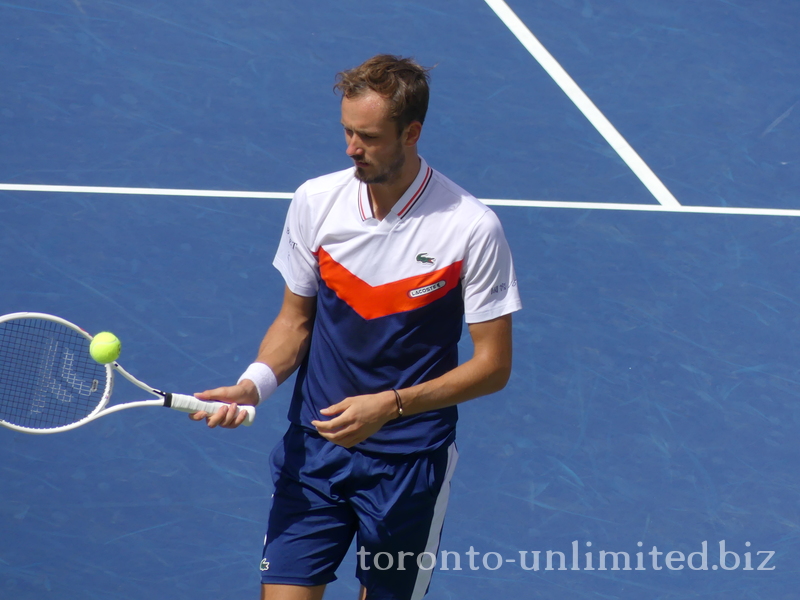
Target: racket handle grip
{"x":190,"y":404}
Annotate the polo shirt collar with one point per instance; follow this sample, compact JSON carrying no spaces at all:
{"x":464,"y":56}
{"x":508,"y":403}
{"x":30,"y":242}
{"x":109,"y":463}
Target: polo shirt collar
{"x":408,"y":200}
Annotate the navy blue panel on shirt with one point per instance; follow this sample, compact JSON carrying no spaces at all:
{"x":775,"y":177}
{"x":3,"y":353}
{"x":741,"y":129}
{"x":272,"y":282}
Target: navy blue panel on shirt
{"x":350,"y":356}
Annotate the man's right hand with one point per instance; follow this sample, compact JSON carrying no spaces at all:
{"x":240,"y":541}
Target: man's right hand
{"x":241,"y":393}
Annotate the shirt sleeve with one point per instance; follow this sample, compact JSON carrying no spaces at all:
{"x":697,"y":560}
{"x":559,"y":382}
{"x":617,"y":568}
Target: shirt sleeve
{"x":296,"y":258}
{"x":489,"y":280}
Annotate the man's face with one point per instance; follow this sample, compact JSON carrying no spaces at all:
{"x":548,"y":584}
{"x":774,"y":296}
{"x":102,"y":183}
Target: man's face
{"x":372,"y":138}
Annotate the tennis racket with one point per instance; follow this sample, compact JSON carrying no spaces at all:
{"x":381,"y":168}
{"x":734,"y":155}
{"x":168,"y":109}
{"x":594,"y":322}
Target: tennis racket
{"x":50,"y":383}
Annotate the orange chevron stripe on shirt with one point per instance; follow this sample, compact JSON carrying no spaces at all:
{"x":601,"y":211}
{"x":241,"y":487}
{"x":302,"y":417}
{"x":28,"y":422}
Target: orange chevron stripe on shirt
{"x":372,"y":302}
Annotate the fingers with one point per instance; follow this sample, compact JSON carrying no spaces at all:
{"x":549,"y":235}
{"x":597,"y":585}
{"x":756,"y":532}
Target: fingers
{"x":334,"y":409}
{"x":346,"y":429}
{"x":333,"y":429}
{"x":228,"y":416}
{"x":221,"y":394}
{"x":241,"y":393}
{"x":337,"y":430}
{"x":331,"y":426}
{"x":337,"y":422}
{"x":346,"y":437}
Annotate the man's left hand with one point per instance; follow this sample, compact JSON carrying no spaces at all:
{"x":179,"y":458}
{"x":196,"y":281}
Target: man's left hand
{"x":356,"y":418}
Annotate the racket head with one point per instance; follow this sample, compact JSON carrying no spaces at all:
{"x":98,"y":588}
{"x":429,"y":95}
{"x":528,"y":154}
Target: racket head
{"x":48,"y":380}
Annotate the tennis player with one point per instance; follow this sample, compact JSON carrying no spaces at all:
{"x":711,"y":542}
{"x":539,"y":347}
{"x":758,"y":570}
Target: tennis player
{"x":382,"y":264}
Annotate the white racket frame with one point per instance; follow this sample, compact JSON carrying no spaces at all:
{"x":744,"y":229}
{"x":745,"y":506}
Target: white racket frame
{"x":180,"y":402}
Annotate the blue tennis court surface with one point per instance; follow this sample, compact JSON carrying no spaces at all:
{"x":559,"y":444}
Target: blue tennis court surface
{"x":654,"y":398}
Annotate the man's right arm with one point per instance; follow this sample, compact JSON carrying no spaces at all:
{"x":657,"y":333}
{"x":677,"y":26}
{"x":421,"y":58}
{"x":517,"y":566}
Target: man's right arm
{"x":283,"y":349}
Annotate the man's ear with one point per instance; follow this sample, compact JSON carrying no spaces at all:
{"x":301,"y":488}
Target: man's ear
{"x":412,"y":133}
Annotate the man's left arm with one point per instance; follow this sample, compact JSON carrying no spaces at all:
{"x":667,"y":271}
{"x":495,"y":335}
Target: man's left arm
{"x":356,"y":418}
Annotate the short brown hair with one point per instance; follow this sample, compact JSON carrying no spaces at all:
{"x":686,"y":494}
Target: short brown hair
{"x":401,"y":81}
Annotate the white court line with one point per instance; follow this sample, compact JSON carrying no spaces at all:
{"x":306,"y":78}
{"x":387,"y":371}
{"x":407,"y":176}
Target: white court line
{"x":85,"y":189}
{"x":584,"y":104}
{"x":678,"y":208}
{"x":703,"y":210}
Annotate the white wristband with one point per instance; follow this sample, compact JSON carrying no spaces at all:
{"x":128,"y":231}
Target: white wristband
{"x":263,"y":378}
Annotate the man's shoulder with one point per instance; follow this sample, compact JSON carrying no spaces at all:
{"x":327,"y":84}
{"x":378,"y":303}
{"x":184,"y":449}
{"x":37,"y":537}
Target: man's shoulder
{"x":326,"y":184}
{"x":448,"y":195}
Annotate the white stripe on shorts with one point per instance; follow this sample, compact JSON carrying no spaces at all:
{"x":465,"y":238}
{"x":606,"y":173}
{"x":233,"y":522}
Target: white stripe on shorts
{"x":423,"y":575}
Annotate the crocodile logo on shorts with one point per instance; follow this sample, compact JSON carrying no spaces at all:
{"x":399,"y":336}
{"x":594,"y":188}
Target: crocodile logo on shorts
{"x":264,"y":565}
{"x":423,"y":258}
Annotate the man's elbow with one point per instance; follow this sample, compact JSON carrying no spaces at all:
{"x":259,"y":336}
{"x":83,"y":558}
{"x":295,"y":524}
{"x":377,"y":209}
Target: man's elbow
{"x":498,"y":378}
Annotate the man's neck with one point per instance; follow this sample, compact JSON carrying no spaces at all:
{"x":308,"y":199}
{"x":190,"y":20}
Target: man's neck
{"x":385,"y":195}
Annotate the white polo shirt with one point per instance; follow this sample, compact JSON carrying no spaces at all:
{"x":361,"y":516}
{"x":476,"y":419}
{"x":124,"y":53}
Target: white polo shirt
{"x":391,"y":294}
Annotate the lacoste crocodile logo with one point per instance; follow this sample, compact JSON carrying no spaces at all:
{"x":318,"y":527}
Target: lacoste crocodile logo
{"x":423,"y":258}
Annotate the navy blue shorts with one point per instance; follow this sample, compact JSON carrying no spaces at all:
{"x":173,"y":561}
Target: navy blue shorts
{"x":326,"y":494}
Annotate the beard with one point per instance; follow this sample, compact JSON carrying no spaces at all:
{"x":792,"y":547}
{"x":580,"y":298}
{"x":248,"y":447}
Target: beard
{"x":387,"y":173}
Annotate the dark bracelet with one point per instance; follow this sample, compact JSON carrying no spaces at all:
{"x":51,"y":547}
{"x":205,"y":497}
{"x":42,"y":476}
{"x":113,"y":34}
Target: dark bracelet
{"x":399,"y":403}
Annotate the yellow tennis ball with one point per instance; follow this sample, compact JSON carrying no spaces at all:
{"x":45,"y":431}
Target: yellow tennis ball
{"x":105,"y":347}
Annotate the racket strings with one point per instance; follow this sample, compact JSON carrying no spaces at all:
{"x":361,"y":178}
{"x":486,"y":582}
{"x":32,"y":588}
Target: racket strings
{"x":47,"y":377}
